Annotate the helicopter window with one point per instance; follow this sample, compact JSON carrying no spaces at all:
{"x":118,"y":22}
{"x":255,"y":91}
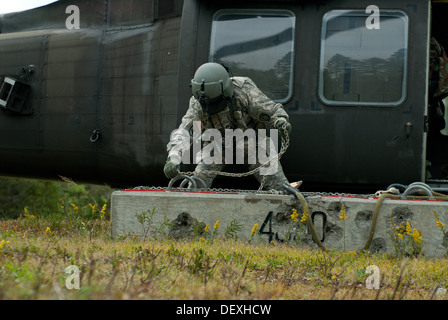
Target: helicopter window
{"x":362,"y":66}
{"x":257,"y":44}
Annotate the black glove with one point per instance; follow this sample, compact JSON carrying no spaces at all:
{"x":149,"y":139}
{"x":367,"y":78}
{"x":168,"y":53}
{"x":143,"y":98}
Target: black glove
{"x":287,"y":126}
{"x":170,"y":169}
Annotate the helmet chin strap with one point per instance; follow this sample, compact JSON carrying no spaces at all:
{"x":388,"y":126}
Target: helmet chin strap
{"x":214,"y":106}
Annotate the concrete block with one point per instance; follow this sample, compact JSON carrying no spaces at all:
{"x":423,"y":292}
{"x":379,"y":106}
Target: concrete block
{"x":183,"y":213}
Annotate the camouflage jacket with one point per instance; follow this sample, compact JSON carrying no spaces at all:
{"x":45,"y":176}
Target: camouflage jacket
{"x":250,"y":108}
{"x":438,"y":71}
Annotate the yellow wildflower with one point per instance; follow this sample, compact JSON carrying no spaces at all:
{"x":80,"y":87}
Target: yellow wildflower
{"x":294,"y":215}
{"x":3,"y":243}
{"x":401,"y":229}
{"x":103,"y":210}
{"x":48,"y":230}
{"x":254,"y":229}
{"x":408,"y":227}
{"x":216,"y":226}
{"x":304,"y":216}
{"x":342,"y":214}
{"x":207,"y":227}
{"x":435,"y":214}
{"x":62,"y":203}
{"x":439,"y":223}
{"x":27,"y":214}
{"x":93,"y":207}
{"x":75,"y":208}
{"x":416,"y":235}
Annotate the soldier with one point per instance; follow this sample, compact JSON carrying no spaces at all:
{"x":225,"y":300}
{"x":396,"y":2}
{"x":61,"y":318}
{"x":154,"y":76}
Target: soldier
{"x":222,"y":102}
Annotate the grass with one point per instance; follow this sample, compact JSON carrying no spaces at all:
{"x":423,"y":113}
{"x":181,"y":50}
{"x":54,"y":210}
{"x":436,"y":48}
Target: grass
{"x":38,"y":249}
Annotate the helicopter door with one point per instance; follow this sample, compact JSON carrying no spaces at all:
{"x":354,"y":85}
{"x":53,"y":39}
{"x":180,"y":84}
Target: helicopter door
{"x":372,"y":96}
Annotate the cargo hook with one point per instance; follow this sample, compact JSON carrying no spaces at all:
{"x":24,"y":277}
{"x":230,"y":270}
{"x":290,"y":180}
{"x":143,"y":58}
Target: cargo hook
{"x":186,"y":178}
{"x":419,"y":186}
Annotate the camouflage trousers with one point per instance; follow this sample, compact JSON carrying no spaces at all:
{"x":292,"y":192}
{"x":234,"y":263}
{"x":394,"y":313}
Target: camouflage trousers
{"x":272,"y":180}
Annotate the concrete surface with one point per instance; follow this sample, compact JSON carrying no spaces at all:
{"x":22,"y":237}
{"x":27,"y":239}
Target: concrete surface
{"x":184,"y":214}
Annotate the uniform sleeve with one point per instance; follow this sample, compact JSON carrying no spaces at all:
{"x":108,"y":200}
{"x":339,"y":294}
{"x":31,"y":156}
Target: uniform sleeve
{"x":261,"y":107}
{"x":181,"y":139}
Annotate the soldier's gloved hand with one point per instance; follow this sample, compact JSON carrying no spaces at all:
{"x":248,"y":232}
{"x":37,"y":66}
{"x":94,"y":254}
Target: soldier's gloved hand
{"x":279,"y":125}
{"x":170,"y":169}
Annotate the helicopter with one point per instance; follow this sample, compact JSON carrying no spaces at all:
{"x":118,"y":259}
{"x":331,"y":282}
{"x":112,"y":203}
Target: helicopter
{"x":92,"y":90}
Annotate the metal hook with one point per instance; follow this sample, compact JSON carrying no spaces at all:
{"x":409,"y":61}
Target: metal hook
{"x":181,"y":176}
{"x":187,"y":179}
{"x":201,"y":181}
{"x":418,"y":186}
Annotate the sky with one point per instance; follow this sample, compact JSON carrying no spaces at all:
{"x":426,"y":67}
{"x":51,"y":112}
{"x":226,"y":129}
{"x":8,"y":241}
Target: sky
{"x":20,"y":5}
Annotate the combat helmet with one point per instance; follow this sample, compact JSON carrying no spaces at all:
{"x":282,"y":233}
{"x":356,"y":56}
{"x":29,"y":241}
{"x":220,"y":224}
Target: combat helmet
{"x":212,"y":86}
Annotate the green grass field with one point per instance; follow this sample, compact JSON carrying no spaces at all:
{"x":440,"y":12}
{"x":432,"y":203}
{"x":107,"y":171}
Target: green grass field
{"x":55,"y":244}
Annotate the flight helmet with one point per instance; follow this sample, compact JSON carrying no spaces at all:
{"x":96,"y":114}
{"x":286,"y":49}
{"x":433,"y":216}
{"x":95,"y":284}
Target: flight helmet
{"x":212,"y":86}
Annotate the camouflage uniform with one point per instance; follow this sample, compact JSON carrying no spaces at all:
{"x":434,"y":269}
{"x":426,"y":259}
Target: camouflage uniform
{"x":250,"y":109}
{"x":438,"y":71}
{"x":438,"y":86}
